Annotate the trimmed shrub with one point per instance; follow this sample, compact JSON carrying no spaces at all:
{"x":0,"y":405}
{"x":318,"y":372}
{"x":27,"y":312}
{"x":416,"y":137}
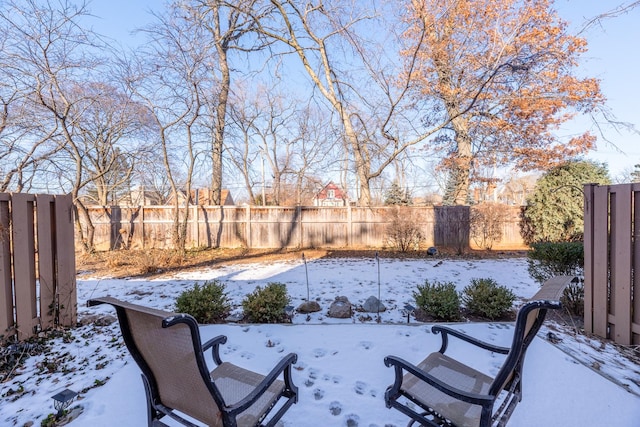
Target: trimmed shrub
{"x":547,"y":260}
{"x":573,"y":298}
{"x":266,"y":305}
{"x":403,"y":231}
{"x":440,"y":300}
{"x":207,"y":303}
{"x":484,"y":297}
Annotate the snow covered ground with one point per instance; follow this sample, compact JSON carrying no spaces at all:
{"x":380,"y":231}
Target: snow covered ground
{"x":340,"y":372}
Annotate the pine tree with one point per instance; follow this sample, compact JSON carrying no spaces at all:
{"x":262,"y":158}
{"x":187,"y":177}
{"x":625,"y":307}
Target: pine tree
{"x":395,"y":196}
{"x":554,"y":211}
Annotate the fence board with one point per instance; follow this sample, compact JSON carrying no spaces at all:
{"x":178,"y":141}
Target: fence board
{"x":601,"y":260}
{"x":65,"y":257}
{"x":24,"y":264}
{"x":636,"y":263}
{"x":588,"y":257}
{"x":6,"y":292}
{"x":45,"y":216}
{"x":621,"y":263}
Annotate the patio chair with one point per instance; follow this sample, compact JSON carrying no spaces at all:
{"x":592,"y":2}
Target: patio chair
{"x":441,"y":391}
{"x":168,"y":350}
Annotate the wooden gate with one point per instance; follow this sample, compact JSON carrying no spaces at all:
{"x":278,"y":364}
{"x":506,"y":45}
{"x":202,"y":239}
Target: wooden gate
{"x":37,"y":264}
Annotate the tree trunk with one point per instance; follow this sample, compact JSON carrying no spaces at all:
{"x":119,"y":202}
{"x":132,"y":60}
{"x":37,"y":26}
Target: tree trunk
{"x":218,"y":137}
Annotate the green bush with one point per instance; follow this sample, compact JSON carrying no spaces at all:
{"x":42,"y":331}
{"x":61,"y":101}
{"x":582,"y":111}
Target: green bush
{"x":555,"y":209}
{"x":440,"y":300}
{"x":266,"y":305}
{"x":207,"y":303}
{"x":484,"y":297}
{"x":573,"y":298}
{"x":547,"y":260}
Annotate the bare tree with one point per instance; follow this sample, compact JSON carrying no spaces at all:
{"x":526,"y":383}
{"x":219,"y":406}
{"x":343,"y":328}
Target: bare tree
{"x":170,"y":76}
{"x":26,"y":139}
{"x":370,"y":104}
{"x":224,"y":26}
{"x":282,"y":135}
{"x":57,"y":61}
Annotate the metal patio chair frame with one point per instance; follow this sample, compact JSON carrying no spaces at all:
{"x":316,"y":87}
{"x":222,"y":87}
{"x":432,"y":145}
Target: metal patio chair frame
{"x":450,"y":393}
{"x":177,"y":381}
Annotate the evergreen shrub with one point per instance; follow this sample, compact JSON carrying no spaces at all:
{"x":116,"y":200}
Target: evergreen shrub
{"x":438,"y":299}
{"x":266,"y":305}
{"x":207,"y":303}
{"x":546,"y":260}
{"x":484,"y":297}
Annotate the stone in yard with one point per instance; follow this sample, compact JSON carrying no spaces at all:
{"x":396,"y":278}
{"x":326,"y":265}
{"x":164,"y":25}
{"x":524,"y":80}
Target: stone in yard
{"x":340,"y":308}
{"x":234,"y":317}
{"x":373,"y":304}
{"x":308,"y":307}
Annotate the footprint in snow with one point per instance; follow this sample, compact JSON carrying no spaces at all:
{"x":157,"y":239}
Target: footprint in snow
{"x":319,"y":352}
{"x":313,"y":373}
{"x":247,"y":355}
{"x":230,"y":349}
{"x":318,"y":394}
{"x":335,"y":408}
{"x":352,"y":420}
{"x":365,"y":345}
{"x":360,"y":387}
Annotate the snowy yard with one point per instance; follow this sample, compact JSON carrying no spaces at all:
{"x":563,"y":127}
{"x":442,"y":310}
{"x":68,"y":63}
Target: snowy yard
{"x":340,"y":370}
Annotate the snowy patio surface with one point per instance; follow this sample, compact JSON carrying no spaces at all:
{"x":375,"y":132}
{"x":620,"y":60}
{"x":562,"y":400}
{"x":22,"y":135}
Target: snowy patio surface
{"x":340,"y":370}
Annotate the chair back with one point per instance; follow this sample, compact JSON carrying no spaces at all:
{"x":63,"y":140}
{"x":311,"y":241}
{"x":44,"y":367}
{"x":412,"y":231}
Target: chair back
{"x":528,"y":322}
{"x":166,"y":347}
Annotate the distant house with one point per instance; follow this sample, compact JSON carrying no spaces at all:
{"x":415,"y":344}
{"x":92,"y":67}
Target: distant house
{"x":204,"y":197}
{"x":141,"y":197}
{"x":331,"y":195}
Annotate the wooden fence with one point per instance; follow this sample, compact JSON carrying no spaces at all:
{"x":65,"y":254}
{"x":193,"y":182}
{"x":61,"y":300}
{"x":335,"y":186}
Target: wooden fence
{"x":612,"y":253}
{"x":37,"y":264}
{"x":147,"y":227}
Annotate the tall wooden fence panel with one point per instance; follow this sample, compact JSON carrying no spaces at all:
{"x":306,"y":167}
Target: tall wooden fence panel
{"x":37,"y":264}
{"x":150,"y":227}
{"x":612,"y":253}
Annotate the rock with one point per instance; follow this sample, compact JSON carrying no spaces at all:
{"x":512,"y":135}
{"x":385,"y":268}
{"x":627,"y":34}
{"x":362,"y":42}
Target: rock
{"x":432,"y":251}
{"x":373,"y":305}
{"x":97,"y":319}
{"x":340,"y":308}
{"x":234,"y":317}
{"x":308,"y":307}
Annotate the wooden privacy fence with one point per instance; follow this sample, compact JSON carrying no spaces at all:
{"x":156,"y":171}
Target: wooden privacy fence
{"x":37,"y":264}
{"x":612,"y":254}
{"x":149,"y":227}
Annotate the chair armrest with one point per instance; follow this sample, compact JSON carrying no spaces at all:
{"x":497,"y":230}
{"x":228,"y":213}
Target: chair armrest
{"x":215,"y":351}
{"x":283,"y":367}
{"x":446,"y":331}
{"x":401,"y":364}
